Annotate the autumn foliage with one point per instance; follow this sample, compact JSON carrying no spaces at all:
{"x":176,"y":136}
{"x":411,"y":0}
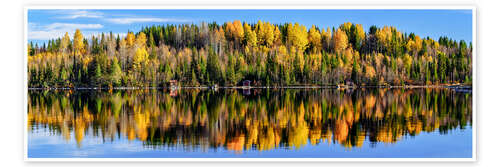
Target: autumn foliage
{"x":269,"y":54}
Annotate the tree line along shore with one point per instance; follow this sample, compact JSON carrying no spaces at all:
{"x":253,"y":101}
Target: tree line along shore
{"x":455,"y":87}
{"x":264,"y":54}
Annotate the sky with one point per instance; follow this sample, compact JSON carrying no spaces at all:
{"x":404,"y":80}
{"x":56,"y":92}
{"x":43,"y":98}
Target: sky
{"x":45,"y":24}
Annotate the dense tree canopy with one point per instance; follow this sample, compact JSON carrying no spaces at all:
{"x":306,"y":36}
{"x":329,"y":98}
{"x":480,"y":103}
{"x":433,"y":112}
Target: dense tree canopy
{"x":269,"y":54}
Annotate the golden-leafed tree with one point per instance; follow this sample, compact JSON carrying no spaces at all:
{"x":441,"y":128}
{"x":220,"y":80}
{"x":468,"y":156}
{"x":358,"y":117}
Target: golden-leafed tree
{"x":360,"y":32}
{"x":326,"y":38}
{"x":260,"y":31}
{"x":268,"y":34}
{"x":130,"y":39}
{"x":384,"y":35}
{"x":78,"y":46}
{"x":340,"y":40}
{"x":297,"y":36}
{"x":250,"y":36}
{"x":283,"y":57}
{"x":265,"y":34}
{"x":407,"y":61}
{"x":235,"y":30}
{"x":140,"y":58}
{"x":359,"y":36}
{"x":277,"y":36}
{"x":141,"y":40}
{"x":314,"y":39}
{"x":370,"y":71}
{"x":415,"y":45}
{"x":64,"y":42}
{"x":238,"y":29}
{"x":346,"y":27}
{"x":315,"y":61}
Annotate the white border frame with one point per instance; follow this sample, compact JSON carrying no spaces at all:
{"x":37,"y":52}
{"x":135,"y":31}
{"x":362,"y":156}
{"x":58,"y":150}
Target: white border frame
{"x":216,"y":7}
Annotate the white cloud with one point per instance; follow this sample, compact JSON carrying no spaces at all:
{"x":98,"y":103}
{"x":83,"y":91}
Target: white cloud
{"x":55,"y":26}
{"x":74,"y":14}
{"x":129,"y":20}
{"x":55,"y":30}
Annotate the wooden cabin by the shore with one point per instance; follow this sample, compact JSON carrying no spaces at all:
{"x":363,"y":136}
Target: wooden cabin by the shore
{"x":247,"y":83}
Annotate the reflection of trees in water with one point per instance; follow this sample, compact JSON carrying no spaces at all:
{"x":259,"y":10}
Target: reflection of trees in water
{"x":262,"y":120}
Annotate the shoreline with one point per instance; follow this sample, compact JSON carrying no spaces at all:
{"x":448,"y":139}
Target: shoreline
{"x":457,"y":87}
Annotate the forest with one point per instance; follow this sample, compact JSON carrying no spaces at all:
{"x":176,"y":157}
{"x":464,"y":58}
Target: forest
{"x":267,"y":54}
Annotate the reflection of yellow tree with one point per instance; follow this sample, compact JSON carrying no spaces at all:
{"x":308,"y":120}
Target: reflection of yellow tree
{"x":81,"y":122}
{"x":236,"y":143}
{"x":341,"y":130}
{"x":298,"y":135}
{"x":290,"y":118}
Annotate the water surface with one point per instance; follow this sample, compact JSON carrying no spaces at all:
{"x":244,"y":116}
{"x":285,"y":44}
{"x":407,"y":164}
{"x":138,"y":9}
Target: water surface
{"x":255,"y":123}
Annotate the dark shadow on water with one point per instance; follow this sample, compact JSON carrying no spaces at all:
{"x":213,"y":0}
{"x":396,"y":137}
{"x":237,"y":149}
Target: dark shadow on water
{"x":240,"y":120}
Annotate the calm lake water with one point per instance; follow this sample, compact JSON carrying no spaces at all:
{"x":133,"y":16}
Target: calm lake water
{"x":255,"y":123}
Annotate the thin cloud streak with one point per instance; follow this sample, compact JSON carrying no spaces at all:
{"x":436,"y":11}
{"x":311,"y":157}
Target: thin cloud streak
{"x":74,"y":14}
{"x":130,"y":20}
{"x":73,"y":26}
{"x":55,"y":30}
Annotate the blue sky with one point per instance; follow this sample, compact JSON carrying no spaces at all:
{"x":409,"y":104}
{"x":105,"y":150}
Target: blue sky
{"x":44,"y":24}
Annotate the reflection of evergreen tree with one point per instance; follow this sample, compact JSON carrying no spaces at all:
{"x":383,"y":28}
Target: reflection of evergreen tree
{"x":265,"y":119}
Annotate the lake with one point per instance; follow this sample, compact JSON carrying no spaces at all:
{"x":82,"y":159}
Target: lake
{"x":250,"y":123}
